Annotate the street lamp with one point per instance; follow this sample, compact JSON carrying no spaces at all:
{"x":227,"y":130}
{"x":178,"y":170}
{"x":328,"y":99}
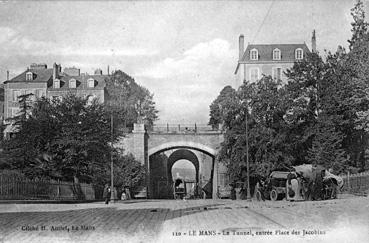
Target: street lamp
{"x":112,"y":196}
{"x":248,"y":196}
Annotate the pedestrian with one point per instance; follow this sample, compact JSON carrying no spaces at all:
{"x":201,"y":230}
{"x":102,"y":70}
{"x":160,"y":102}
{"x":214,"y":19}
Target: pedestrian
{"x":128,"y":193}
{"x":107,"y":193}
{"x":124,"y":196}
{"x":233,"y":190}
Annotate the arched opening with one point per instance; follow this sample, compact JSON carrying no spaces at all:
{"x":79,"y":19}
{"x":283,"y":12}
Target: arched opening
{"x":184,"y":172}
{"x":187,"y":162}
{"x":185,"y":169}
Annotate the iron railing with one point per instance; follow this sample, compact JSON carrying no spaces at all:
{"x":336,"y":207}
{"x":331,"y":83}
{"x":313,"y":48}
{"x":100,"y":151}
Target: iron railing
{"x":355,"y":183}
{"x":18,"y":188}
{"x":183,"y":128}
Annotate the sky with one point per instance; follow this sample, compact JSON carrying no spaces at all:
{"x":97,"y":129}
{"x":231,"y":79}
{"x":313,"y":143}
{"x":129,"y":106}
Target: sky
{"x":184,"y":52}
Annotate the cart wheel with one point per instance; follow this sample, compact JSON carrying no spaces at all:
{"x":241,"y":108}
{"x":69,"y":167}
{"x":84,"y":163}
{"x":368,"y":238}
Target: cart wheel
{"x":258,"y":196}
{"x":273,"y":195}
{"x":334,"y":192}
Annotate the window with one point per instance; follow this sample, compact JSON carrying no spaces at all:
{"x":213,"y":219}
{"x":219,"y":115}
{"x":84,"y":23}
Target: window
{"x":91,"y":83}
{"x":254,"y":54}
{"x":29,"y":76}
{"x":16,"y":94}
{"x":299,"y":54}
{"x":223,"y":179}
{"x":72,"y":83}
{"x":14,"y":112}
{"x":277,"y":73}
{"x":31,"y":93}
{"x":276,"y":54}
{"x":40,"y":93}
{"x":56,"y":84}
{"x":254,"y":74}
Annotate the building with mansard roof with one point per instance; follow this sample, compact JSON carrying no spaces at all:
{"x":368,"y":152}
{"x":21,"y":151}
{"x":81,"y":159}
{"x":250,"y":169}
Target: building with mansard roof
{"x":269,"y":59}
{"x":53,"y":83}
{"x":1,"y":103}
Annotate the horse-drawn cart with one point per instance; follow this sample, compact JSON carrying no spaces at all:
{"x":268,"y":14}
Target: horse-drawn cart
{"x":179,"y":188}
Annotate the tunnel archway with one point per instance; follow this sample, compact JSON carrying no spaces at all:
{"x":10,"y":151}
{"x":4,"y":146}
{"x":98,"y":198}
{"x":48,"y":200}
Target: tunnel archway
{"x":184,"y":169}
{"x":183,"y":144}
{"x":183,"y":154}
{"x":161,"y":163}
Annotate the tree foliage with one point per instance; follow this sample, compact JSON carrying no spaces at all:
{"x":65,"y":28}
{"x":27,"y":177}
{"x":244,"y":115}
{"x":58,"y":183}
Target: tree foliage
{"x":129,"y":102}
{"x":320,"y":116}
{"x":70,"y":139}
{"x":264,"y":104}
{"x":66,"y":139}
{"x":359,"y":26}
{"x":127,"y":172}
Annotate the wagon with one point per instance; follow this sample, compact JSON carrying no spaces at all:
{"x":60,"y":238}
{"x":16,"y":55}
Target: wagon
{"x":278,"y":186}
{"x":274,"y":188}
{"x":179,"y":188}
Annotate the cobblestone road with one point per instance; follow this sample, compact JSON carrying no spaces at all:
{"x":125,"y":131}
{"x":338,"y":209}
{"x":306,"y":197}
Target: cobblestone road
{"x":345,"y":220}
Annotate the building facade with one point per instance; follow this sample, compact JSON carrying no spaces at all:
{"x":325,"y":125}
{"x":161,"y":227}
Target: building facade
{"x":1,"y":103}
{"x":268,"y":59}
{"x":53,"y":83}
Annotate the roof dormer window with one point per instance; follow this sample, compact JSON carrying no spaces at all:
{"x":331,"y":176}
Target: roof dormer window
{"x":276,"y":54}
{"x":29,"y":76}
{"x":254,"y":54}
{"x":299,"y":54}
{"x":56,"y":84}
{"x":91,"y":83}
{"x":72,"y":83}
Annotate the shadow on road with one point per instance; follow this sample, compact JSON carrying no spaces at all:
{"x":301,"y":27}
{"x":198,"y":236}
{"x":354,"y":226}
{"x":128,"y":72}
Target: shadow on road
{"x":105,"y":220}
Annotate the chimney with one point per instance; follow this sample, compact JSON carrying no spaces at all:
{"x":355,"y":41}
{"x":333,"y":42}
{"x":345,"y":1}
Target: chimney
{"x":241,"y":43}
{"x":55,"y":71}
{"x":7,"y":75}
{"x":108,"y":71}
{"x":98,"y":72}
{"x":313,"y":42}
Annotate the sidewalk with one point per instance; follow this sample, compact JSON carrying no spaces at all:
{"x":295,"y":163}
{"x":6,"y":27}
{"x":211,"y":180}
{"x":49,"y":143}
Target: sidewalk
{"x":47,"y":201}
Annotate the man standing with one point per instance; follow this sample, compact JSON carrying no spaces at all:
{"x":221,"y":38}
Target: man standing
{"x":107,"y":193}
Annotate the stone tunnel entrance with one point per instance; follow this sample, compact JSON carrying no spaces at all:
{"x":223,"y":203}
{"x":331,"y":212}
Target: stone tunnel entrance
{"x":162,"y":178}
{"x":154,"y":149}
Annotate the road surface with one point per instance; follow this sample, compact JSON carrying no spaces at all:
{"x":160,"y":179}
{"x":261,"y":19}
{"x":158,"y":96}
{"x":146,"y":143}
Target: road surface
{"x":341,"y":220}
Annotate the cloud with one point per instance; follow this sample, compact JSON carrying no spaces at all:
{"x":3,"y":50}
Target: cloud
{"x":6,"y":34}
{"x":14,"y":43}
{"x":107,"y":52}
{"x":185,"y":86}
{"x":192,"y":61}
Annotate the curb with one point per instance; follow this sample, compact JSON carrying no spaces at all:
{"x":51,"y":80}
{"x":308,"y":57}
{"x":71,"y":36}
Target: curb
{"x":47,"y":201}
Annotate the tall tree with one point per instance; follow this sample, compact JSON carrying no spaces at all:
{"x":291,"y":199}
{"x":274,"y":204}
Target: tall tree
{"x":304,"y":103}
{"x":359,"y":26}
{"x":326,"y":149}
{"x":356,"y":63}
{"x":220,"y":107}
{"x":127,"y":172}
{"x":320,"y":116}
{"x":129,"y":102}
{"x":66,"y":139}
{"x":83,"y":139}
{"x":21,"y":146}
{"x":264,"y":104}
